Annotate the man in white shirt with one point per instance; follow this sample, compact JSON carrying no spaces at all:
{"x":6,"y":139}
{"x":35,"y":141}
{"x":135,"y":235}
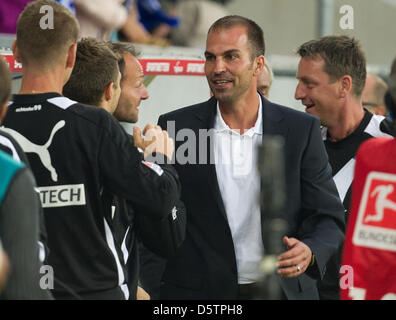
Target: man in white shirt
{"x":220,"y":182}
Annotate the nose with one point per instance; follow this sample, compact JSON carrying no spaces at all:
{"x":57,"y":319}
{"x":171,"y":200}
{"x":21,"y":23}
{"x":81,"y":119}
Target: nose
{"x":144,"y":95}
{"x":220,"y":66}
{"x":299,"y":94}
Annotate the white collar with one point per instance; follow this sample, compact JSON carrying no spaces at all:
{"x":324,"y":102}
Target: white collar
{"x":221,"y":126}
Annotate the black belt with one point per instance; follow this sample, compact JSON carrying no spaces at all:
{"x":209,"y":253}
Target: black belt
{"x":248,"y":290}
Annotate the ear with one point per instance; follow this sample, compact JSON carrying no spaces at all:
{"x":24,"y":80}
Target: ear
{"x":71,"y":56}
{"x":380,"y":110}
{"x":259,"y":63}
{"x":345,"y":85}
{"x":109,"y":91}
{"x":15,"y":51}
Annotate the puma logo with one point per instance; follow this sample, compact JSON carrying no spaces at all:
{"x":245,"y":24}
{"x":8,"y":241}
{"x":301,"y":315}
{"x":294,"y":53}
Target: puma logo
{"x":40,"y":150}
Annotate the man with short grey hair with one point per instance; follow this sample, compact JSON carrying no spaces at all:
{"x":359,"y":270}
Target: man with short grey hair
{"x":264,"y":80}
{"x":331,"y":76}
{"x":373,"y":96}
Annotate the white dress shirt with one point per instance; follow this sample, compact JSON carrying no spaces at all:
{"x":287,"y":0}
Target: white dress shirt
{"x":235,"y":157}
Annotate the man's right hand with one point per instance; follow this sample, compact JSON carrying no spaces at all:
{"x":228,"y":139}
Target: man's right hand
{"x":154,"y":140}
{"x":4,"y":268}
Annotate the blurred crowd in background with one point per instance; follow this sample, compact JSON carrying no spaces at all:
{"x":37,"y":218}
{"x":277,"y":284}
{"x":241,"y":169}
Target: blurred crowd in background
{"x":154,"y":22}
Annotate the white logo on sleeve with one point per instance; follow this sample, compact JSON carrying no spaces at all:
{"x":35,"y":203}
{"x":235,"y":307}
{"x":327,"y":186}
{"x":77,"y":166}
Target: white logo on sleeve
{"x":155,"y":167}
{"x":174,"y":216}
{"x":40,"y":150}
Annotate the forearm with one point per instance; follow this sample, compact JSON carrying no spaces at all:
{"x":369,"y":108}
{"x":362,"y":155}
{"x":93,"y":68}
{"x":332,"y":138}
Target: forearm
{"x":109,"y":14}
{"x":134,"y":30}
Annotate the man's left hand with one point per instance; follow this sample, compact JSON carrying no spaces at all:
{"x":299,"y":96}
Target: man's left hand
{"x":295,"y":260}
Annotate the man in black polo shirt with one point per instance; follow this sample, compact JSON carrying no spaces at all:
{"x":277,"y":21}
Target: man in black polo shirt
{"x":332,"y":75}
{"x":128,"y":224}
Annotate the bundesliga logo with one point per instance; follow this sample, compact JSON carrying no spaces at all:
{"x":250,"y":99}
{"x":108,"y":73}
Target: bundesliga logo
{"x":376,"y":221}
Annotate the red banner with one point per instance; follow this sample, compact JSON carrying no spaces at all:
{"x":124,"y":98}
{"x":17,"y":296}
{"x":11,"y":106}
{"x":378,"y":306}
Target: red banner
{"x":173,"y":67}
{"x":369,"y":257}
{"x":14,"y":66}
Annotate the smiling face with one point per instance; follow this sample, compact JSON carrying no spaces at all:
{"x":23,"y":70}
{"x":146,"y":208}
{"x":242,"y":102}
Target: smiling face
{"x":133,"y":91}
{"x":229,"y":67}
{"x":316,"y":91}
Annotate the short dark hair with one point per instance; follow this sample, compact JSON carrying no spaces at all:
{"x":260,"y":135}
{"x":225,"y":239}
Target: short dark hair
{"x":5,"y":82}
{"x":342,"y":55}
{"x":43,"y":47}
{"x":96,"y":66}
{"x":254,"y":32}
{"x":120,"y":48}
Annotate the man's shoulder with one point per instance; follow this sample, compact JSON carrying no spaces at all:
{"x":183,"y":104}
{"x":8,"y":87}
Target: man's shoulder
{"x":84,"y":112}
{"x":8,"y":162}
{"x":57,"y":107}
{"x":189,"y":111}
{"x":90,"y":113}
{"x":29,"y":103}
{"x":291,"y":115}
{"x":380,"y":126}
{"x":9,"y":145}
{"x":9,"y":167}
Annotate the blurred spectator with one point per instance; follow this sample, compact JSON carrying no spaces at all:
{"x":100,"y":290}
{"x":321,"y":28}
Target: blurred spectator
{"x":98,"y":18}
{"x":223,"y":2}
{"x":156,"y":21}
{"x":264,"y":80}
{"x":390,"y":96}
{"x":69,"y":4}
{"x":195,"y":18}
{"x":9,"y":12}
{"x":373,"y":95}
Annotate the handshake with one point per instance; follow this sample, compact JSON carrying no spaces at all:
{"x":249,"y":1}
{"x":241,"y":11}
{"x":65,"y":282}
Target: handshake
{"x":154,"y":139}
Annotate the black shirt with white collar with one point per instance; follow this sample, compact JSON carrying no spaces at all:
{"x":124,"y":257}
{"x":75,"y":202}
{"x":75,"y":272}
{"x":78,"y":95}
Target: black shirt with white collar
{"x":342,"y":155}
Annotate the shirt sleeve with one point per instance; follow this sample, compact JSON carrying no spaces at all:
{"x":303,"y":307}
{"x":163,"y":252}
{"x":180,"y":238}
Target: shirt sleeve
{"x":322,"y":224}
{"x":152,"y":188}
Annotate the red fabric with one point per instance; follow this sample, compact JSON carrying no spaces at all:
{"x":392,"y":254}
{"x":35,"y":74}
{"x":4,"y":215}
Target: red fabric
{"x":173,"y":67}
{"x":370,"y":241}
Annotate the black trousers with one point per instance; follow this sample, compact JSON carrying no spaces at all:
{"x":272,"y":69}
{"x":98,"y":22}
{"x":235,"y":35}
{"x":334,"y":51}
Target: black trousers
{"x":111,"y":294}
